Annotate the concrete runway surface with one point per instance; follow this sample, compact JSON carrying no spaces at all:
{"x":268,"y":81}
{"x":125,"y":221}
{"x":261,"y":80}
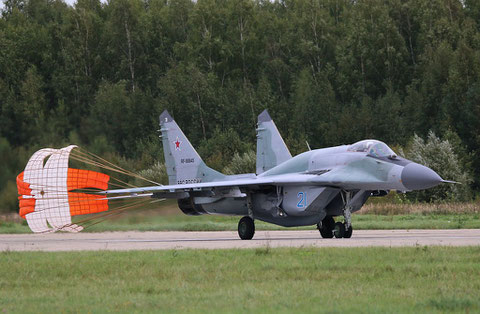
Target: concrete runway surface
{"x":134,"y":240}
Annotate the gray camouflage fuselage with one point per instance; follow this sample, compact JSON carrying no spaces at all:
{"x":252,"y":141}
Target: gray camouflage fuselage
{"x":294,"y":204}
{"x":287,"y":191}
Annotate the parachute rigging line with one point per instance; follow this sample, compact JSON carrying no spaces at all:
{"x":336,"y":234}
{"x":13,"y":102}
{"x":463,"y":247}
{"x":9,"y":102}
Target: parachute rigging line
{"x":104,"y":163}
{"x":114,"y":213}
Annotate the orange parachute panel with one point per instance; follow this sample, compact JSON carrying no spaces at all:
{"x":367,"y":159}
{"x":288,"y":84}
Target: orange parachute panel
{"x":27,"y":206}
{"x":81,"y":179}
{"x":82,"y":203}
{"x":22,"y":186}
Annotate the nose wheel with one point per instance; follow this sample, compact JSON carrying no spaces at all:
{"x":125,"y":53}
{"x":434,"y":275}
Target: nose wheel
{"x":246,"y":228}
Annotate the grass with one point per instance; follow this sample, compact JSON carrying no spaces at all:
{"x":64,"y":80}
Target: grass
{"x":369,"y":280}
{"x":167,"y":217}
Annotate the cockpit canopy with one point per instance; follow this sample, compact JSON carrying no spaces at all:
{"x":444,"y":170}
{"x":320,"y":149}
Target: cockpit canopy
{"x":373,"y":148}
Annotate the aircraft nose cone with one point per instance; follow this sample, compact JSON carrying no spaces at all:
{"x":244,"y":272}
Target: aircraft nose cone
{"x":418,"y":177}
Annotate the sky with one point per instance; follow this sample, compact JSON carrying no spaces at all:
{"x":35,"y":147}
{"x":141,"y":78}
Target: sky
{"x":70,"y":2}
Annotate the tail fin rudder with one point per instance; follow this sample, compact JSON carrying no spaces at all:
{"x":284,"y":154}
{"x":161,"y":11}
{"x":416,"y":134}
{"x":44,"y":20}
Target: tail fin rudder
{"x":271,"y":149}
{"x":182,"y":161}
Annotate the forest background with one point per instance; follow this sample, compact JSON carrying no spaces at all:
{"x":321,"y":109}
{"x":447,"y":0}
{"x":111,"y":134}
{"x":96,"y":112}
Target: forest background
{"x":330,"y":72}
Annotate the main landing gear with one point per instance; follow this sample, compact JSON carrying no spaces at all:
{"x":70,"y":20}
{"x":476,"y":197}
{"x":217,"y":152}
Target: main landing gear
{"x":329,"y":228}
{"x":246,"y":228}
{"x":326,"y":227}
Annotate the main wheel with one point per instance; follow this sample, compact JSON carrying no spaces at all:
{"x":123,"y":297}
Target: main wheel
{"x":348,"y":232}
{"x":326,"y":230}
{"x":339,"y":230}
{"x":246,"y":228}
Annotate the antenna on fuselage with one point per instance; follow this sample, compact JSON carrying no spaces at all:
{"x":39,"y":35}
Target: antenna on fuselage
{"x":308,"y":145}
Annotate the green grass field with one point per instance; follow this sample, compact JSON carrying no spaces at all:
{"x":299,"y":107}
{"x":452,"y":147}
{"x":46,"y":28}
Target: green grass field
{"x":415,"y":280}
{"x":167,"y":217}
{"x":218,"y":223}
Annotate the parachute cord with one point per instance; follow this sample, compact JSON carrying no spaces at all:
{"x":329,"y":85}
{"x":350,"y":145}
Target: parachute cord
{"x":125,"y":183}
{"x":111,"y":213}
{"x":127,"y":172}
{"x":97,"y":164}
{"x":116,"y":184}
{"x":85,"y":152}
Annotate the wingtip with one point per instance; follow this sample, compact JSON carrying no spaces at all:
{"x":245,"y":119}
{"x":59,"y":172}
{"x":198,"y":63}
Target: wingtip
{"x":264,"y":116}
{"x":165,"y":117}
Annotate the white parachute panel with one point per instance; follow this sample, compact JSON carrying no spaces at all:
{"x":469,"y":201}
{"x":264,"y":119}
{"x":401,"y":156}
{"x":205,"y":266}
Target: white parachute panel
{"x":49,"y":188}
{"x":33,"y":174}
{"x":55,"y":200}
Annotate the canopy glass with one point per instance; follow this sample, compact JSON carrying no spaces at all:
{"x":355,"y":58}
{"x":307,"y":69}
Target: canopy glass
{"x":373,"y":148}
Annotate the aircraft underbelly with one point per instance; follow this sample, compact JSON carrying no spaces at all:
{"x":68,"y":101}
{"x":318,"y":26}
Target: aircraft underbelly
{"x":223,"y":206}
{"x":306,"y":200}
{"x":292,"y":206}
{"x":290,"y":221}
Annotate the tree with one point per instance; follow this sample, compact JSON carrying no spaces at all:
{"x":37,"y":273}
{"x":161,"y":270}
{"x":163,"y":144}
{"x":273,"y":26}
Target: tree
{"x":315,"y":110}
{"x":440,"y":156}
{"x":244,"y":163}
{"x":123,"y":40}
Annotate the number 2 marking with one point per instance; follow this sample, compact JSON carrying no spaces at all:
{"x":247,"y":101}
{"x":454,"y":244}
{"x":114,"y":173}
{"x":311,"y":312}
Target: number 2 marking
{"x":303,"y":200}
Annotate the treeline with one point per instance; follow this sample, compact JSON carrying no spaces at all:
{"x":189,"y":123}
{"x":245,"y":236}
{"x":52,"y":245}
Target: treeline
{"x":330,"y":72}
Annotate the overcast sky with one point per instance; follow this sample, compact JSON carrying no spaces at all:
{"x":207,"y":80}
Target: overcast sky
{"x":70,"y":2}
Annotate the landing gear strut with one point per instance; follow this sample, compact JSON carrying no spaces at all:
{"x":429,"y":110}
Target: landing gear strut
{"x":347,"y":215}
{"x":348,"y":232}
{"x":339,"y":230}
{"x":246,"y":228}
{"x":329,"y":228}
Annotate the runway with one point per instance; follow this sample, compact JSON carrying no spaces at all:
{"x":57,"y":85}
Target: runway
{"x":134,"y":240}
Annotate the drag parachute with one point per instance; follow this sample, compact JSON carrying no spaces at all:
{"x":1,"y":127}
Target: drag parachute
{"x":51,"y":192}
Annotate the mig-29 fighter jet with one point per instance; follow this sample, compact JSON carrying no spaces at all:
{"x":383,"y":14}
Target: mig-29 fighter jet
{"x":309,"y":189}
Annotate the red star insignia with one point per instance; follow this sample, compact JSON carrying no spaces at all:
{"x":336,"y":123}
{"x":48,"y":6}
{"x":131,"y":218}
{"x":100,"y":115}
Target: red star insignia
{"x":177,"y":144}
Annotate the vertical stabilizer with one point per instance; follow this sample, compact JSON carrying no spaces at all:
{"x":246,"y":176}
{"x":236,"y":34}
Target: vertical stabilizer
{"x":271,"y":149}
{"x":183,"y":163}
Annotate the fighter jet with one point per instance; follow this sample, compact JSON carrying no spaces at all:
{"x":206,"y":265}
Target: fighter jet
{"x":311,"y":188}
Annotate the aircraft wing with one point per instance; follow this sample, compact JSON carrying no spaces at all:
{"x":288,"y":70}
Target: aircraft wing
{"x":175,"y":188}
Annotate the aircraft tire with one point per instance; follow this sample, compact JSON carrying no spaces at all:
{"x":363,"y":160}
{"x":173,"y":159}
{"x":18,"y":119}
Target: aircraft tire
{"x":339,"y":230}
{"x":348,"y":233}
{"x":326,"y":231}
{"x":246,"y":228}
